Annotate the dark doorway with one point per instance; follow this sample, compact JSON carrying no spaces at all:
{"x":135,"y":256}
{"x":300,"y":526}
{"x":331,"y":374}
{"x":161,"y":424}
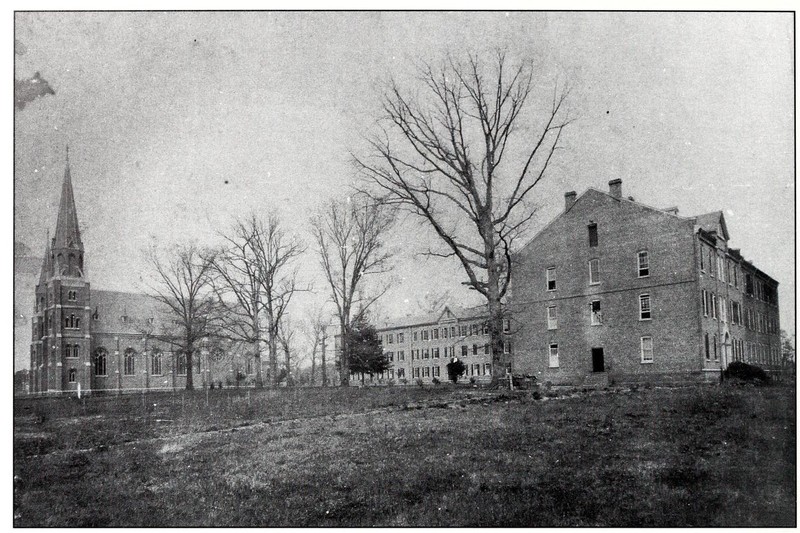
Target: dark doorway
{"x":598,"y":362}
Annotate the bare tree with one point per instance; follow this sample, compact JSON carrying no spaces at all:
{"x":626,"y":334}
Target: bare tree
{"x":286,"y":337}
{"x":434,"y":300}
{"x":256,"y":279}
{"x":458,"y":156}
{"x":182,"y":284}
{"x":349,"y":237}
{"x":314,"y":332}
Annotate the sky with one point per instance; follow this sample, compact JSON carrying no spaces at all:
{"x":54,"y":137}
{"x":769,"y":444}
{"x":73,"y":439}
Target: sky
{"x":179,"y":122}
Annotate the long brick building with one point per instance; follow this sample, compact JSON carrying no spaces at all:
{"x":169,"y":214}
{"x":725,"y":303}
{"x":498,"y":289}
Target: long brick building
{"x":613,"y":290}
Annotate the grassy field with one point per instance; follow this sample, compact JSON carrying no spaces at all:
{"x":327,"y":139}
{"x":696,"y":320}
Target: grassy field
{"x":705,"y":456}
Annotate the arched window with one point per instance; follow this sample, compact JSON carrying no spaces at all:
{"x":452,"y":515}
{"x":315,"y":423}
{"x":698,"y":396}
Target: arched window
{"x":129,"y":367}
{"x":180,"y":364}
{"x":72,"y":375}
{"x":156,"y":366}
{"x":100,"y":358}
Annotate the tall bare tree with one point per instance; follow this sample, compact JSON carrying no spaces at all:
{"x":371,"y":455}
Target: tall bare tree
{"x":458,"y":154}
{"x":182,"y":284}
{"x":286,"y":338}
{"x":256,"y":280}
{"x":350,"y":238}
{"x":314,"y":332}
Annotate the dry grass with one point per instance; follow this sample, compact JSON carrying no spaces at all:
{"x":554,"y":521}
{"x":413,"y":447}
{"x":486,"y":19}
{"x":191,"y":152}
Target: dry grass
{"x":407,"y":457}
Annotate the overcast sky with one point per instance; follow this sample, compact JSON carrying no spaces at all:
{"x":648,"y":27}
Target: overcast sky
{"x":178,"y":122}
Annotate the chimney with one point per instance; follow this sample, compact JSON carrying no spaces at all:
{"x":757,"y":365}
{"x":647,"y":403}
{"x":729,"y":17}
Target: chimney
{"x":569,"y":199}
{"x":615,"y":188}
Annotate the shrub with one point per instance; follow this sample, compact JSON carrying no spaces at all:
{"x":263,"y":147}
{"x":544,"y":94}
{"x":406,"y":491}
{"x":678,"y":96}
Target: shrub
{"x":537,"y":395}
{"x":472,"y":380}
{"x":390,"y":383}
{"x":404,"y":381}
{"x":436,"y":381}
{"x":746,"y":372}
{"x":418,"y":381}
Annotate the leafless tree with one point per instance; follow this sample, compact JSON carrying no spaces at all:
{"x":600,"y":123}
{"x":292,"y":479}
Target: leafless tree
{"x":350,"y":238}
{"x":313,"y":329}
{"x":182,"y":284}
{"x":286,"y":337}
{"x":256,"y":279}
{"x":434,"y":300}
{"x":459,"y":155}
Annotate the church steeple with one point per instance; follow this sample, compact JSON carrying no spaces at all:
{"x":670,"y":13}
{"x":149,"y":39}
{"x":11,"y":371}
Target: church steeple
{"x":67,"y":244}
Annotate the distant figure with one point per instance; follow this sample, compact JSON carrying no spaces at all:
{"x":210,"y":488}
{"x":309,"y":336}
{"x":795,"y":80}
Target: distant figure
{"x":26,"y":91}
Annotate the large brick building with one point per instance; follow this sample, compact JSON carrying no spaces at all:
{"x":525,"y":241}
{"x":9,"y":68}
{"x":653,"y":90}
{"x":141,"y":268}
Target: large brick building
{"x":106,"y":340}
{"x":420,"y":347}
{"x":613,"y":290}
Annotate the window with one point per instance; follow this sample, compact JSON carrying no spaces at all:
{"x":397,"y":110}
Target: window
{"x":426,"y":372}
{"x":415,"y":336}
{"x":435,"y":333}
{"x":592,"y":235}
{"x":723,"y":310}
{"x":716,"y":355}
{"x":487,"y":349}
{"x":644,"y":264}
{"x":424,"y":334}
{"x":180,"y":364}
{"x":156,"y":364}
{"x":71,"y":322}
{"x":72,"y":295}
{"x":452,"y":332}
{"x":644,"y":307}
{"x":464,"y":331}
{"x":415,"y":372}
{"x":594,"y":271}
{"x":712,"y":262}
{"x":464,"y":351}
{"x":713,"y":305}
{"x":444,"y":333}
{"x":391,"y":338}
{"x":647,"y":349}
{"x":426,"y":353}
{"x":554,"y":356}
{"x":474,"y":349}
{"x":506,"y":325}
{"x":436,"y":353}
{"x":476,"y":369}
{"x":705,"y":302}
{"x":485,"y":328}
{"x":437,"y":371}
{"x":735,"y":276}
{"x":100,"y":358}
{"x":702,"y":258}
{"x":506,"y":346}
{"x":401,"y":373}
{"x":71,"y":350}
{"x":71,"y":377}
{"x":720,"y":268}
{"x":401,"y":337}
{"x":748,"y":284}
{"x":551,"y":279}
{"x":401,"y":355}
{"x":552,"y":317}
{"x":708,"y":353}
{"x":487,"y":369}
{"x":129,"y":367}
{"x":390,"y":356}
{"x":596,"y":313}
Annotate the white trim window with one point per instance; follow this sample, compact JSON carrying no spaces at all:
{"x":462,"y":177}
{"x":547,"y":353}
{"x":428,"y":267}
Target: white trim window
{"x":551,"y":278}
{"x":553,"y":355}
{"x":647,"y":349}
{"x":644,"y":307}
{"x":643,"y":263}
{"x":552,"y":317}
{"x":705,"y":302}
{"x":594,"y":271}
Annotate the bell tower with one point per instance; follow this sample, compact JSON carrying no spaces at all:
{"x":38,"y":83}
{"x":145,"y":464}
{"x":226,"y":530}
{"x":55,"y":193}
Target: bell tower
{"x":60,"y":349}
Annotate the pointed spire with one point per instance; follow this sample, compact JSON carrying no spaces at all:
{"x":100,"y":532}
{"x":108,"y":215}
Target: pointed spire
{"x":47,"y":262}
{"x":68,"y":234}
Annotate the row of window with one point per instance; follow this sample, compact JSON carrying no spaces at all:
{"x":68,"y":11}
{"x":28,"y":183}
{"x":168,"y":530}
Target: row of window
{"x":596,"y":313}
{"x":645,"y":346}
{"x":749,"y":352}
{"x":718,"y":307}
{"x":726,"y":270}
{"x":642,"y":269}
{"x":443,"y":333}
{"x":156,"y":363}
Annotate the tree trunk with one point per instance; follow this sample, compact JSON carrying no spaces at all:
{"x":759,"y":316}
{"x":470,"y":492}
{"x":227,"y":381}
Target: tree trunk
{"x":313,"y":364}
{"x":189,"y":368}
{"x":288,"y":366}
{"x":257,"y":351}
{"x":344,"y":366}
{"x":273,"y":354}
{"x":324,"y":362}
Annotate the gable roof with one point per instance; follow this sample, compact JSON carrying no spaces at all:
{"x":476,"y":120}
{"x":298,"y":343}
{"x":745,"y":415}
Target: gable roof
{"x":137,"y":309}
{"x":713,"y":222}
{"x":458,"y":313}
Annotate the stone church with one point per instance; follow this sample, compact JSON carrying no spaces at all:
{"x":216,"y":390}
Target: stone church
{"x":97,"y":340}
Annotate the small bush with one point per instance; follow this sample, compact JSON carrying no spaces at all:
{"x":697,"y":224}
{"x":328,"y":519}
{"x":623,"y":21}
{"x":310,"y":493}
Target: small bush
{"x":472,"y":380}
{"x":746,"y":372}
{"x":436,"y":381}
{"x":537,"y":395}
{"x":404,"y":381}
{"x":419,"y":382}
{"x":390,"y":383}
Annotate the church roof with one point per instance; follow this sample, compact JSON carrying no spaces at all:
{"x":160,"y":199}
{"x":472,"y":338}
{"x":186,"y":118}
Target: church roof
{"x":126,"y":312}
{"x":47,"y":263}
{"x":68,"y":234}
